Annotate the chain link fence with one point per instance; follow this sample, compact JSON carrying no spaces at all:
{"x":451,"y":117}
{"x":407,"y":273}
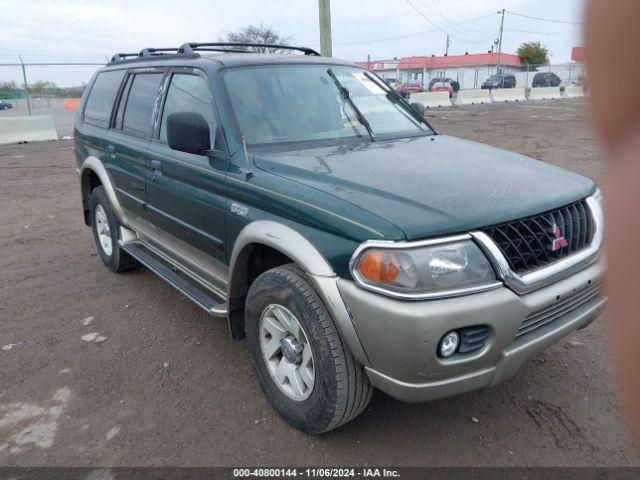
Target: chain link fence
{"x":474,"y":77}
{"x":45,"y":89}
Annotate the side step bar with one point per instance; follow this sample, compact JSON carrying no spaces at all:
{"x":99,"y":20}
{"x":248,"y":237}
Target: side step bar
{"x":188,"y":287}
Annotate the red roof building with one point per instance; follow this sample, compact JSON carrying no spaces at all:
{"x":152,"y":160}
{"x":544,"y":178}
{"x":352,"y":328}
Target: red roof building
{"x":469,"y":70}
{"x":445,"y":62}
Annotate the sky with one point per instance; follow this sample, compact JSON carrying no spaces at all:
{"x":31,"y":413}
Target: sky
{"x":92,"y":30}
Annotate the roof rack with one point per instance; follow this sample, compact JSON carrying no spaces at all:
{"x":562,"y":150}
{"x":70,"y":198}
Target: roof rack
{"x":154,"y":52}
{"x":190,"y":48}
{"x":121,"y":57}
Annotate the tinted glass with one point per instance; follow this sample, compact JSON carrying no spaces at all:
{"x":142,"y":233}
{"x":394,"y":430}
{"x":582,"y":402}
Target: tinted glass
{"x":303,"y":103}
{"x":103,"y":93}
{"x":121,"y":105}
{"x":188,"y":93}
{"x":142,"y":96}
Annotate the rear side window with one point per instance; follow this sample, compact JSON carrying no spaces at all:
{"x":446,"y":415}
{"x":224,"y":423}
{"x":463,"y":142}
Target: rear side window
{"x":187,"y":93}
{"x":140,"y":102}
{"x":100,"y":102}
{"x":121,"y":105}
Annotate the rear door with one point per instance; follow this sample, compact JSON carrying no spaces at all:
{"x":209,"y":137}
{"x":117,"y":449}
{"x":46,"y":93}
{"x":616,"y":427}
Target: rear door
{"x":128,"y":138}
{"x":96,"y":120}
{"x":186,"y":192}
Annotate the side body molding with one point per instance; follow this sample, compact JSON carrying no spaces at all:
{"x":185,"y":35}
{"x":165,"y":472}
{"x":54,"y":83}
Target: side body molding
{"x":93,"y":164}
{"x":291,"y":243}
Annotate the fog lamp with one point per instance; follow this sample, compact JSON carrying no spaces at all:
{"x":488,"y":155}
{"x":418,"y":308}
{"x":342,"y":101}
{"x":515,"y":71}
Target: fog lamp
{"x":448,"y":344}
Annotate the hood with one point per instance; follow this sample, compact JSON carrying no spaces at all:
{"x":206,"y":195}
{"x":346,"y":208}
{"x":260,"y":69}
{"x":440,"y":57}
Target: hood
{"x":429,"y":186}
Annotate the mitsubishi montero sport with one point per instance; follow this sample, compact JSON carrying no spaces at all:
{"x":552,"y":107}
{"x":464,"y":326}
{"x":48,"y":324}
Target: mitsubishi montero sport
{"x":309,"y":205}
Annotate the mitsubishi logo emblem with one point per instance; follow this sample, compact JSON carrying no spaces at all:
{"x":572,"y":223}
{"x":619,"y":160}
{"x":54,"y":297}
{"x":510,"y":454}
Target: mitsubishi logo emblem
{"x":559,"y":241}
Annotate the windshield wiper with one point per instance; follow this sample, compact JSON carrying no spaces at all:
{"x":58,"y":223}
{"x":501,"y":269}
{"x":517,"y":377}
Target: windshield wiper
{"x":396,"y":98}
{"x":345,"y":95}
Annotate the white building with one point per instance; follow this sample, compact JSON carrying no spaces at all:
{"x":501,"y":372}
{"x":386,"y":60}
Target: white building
{"x":470,"y":70}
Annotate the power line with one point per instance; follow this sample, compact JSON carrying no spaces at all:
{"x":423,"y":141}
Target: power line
{"x":413,"y":34}
{"x":542,"y":19}
{"x":446,"y":19}
{"x":424,"y":16}
{"x":432,"y":22}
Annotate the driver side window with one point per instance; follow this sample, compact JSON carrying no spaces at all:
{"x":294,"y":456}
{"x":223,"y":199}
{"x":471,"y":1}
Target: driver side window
{"x":188,"y":93}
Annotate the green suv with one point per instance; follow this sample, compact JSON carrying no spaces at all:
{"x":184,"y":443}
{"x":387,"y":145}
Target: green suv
{"x":304,"y":201}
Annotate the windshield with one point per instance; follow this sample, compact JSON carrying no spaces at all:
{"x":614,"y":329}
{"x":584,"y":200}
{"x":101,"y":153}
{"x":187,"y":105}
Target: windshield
{"x":296,"y":103}
{"x":494,"y":78}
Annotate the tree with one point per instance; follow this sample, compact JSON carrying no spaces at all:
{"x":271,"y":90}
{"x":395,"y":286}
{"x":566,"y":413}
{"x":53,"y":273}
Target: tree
{"x":8,"y":89}
{"x":42,"y":86}
{"x":258,"y":34}
{"x":533,"y":53}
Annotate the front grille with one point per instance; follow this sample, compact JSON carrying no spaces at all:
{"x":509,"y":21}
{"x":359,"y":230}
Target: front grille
{"x":561,"y":307}
{"x":539,"y":240}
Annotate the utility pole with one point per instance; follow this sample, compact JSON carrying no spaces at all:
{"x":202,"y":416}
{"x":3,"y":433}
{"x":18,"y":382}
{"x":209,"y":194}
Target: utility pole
{"x":324,"y":9}
{"x":26,"y":85}
{"x":446,"y":50}
{"x":501,"y":12}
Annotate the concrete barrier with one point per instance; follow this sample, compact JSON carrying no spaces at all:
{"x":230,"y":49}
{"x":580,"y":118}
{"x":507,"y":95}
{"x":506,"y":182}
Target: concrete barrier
{"x":573,"y":91}
{"x":499,"y":95}
{"x":473,"y":97}
{"x":35,"y":128}
{"x":544,"y":93}
{"x":431,"y":99}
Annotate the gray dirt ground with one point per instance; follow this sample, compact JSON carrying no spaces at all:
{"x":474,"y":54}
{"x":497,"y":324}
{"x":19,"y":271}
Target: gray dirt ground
{"x":169,"y":387}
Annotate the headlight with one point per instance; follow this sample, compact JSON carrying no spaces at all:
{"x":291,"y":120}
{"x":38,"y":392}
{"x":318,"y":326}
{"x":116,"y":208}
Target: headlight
{"x":597,"y":195}
{"x":447,"y":268}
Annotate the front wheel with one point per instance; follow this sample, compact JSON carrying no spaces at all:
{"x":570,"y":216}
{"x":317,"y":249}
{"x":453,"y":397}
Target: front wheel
{"x":308,"y":374}
{"x":105,"y":227}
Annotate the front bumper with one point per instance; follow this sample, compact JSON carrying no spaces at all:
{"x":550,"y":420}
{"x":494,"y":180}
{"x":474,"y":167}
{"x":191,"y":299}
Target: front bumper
{"x":400,"y":337}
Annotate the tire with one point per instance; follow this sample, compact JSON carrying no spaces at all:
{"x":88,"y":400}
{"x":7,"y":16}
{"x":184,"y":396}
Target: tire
{"x":115,"y":258}
{"x":341,"y":389}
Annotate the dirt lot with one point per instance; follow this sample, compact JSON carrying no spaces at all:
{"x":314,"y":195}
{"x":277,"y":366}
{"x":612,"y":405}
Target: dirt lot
{"x":169,"y":387}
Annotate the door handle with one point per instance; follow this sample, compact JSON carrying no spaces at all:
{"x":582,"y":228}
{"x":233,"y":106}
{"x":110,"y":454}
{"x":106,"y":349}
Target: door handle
{"x":156,"y":169}
{"x":111,"y":149}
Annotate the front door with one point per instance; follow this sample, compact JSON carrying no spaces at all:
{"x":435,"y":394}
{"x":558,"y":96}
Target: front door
{"x":186,"y":192}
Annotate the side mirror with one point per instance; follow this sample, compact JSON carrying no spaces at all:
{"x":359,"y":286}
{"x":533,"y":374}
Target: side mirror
{"x":419,"y":108}
{"x":188,"y":132}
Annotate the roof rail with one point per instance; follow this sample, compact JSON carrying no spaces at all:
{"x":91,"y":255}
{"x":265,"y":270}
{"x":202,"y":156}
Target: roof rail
{"x":152,"y":52}
{"x":190,"y":48}
{"x":121,"y":57}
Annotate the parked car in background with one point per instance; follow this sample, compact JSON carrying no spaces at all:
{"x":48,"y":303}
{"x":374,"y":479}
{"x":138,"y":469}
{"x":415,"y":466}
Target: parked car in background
{"x":4,"y":105}
{"x":393,"y":83}
{"x":546,"y":79}
{"x":442,"y":87}
{"x":506,"y":80}
{"x":407,"y":89}
{"x":454,"y":83}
